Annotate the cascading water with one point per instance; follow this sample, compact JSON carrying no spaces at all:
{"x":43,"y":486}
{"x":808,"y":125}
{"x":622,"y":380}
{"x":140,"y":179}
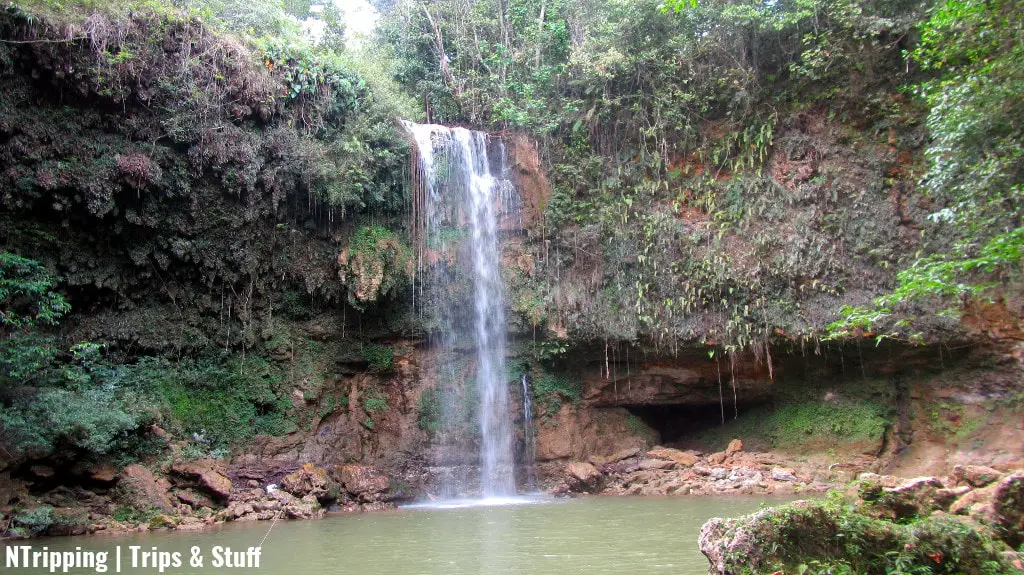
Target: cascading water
{"x":529,"y":441}
{"x":462,"y":196}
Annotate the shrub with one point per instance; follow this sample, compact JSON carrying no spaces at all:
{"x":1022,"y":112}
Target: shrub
{"x":375,"y":264}
{"x":430,"y":412}
{"x":550,"y":391}
{"x":378,"y":357}
{"x":375,"y":403}
{"x":35,"y":520}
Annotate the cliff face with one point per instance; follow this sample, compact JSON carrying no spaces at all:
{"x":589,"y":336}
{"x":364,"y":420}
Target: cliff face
{"x":202,"y":211}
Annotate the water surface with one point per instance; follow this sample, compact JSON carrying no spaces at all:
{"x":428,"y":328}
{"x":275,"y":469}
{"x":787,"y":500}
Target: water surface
{"x":594,"y":535}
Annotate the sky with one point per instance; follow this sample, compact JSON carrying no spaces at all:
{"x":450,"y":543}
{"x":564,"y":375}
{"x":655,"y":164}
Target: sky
{"x":360,"y":20}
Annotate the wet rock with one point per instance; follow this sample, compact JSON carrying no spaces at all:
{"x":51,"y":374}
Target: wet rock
{"x":783,"y":474}
{"x":735,"y":446}
{"x":681,"y":458}
{"x":309,"y":480}
{"x":975,"y":475}
{"x":208,"y":474}
{"x":363,"y":481}
{"x":143,"y":489}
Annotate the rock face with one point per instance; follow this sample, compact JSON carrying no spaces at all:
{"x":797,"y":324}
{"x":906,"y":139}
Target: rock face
{"x":144,"y":490}
{"x":207,"y":474}
{"x":365,"y":482}
{"x":309,"y":480}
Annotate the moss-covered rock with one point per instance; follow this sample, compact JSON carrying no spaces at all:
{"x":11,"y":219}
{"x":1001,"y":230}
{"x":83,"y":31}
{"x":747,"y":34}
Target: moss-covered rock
{"x":835,"y":536}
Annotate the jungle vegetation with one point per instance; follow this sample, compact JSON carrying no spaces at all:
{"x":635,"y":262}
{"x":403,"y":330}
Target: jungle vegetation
{"x":188,"y":184}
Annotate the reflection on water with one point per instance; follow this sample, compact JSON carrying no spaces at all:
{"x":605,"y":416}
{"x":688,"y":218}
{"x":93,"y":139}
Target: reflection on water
{"x":529,"y":535}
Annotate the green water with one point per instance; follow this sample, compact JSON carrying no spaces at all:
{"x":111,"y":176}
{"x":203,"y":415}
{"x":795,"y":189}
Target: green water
{"x":594,"y":535}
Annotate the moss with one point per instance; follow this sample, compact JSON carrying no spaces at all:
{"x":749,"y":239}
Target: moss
{"x":796,"y":426}
{"x":552,"y":390}
{"x":834,"y":536}
{"x":378,"y":358}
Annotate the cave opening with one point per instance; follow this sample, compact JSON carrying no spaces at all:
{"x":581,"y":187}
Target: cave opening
{"x":680,"y":426}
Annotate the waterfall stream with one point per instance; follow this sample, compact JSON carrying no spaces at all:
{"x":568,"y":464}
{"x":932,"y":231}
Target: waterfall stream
{"x":465,"y":194}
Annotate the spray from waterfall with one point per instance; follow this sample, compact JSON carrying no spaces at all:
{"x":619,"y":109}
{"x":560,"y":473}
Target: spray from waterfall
{"x":462,"y":195}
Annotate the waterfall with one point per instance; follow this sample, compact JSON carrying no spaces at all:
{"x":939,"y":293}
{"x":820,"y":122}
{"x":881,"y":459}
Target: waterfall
{"x":462,"y":196}
{"x":529,"y":441}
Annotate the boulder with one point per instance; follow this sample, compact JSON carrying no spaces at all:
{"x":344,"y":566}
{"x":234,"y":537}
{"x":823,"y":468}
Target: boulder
{"x":1008,"y":504}
{"x":945,"y":497}
{"x":104,"y":473}
{"x":782,"y":539}
{"x":681,"y":458}
{"x":41,"y":471}
{"x":208,"y":474}
{"x":735,"y":446}
{"x":583,"y":472}
{"x":194,"y":499}
{"x":881,"y":480}
{"x":648,"y":464}
{"x":963,"y":504}
{"x":717,"y":458}
{"x":257,"y":504}
{"x":363,"y":481}
{"x":975,"y":475}
{"x":309,"y":480}
{"x":615,"y":457}
{"x":143,"y":489}
{"x":914,"y":498}
{"x":783,"y":474}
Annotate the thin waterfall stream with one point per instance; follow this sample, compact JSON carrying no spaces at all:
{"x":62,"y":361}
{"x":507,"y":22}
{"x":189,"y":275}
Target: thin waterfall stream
{"x":465,"y":194}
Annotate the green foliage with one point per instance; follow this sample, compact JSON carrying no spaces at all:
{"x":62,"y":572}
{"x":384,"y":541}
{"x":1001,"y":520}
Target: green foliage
{"x":375,"y":264}
{"x":551,"y":391}
{"x":379,"y":358}
{"x":834,"y":536}
{"x":35,"y":520}
{"x":134,"y":515}
{"x":27,"y":296}
{"x":975,"y":163}
{"x":375,"y":403}
{"x":656,"y":130}
{"x":430,"y":414}
{"x":223,"y":403}
{"x":795,"y":426}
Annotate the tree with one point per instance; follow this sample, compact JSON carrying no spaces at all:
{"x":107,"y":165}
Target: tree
{"x":975,"y":161}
